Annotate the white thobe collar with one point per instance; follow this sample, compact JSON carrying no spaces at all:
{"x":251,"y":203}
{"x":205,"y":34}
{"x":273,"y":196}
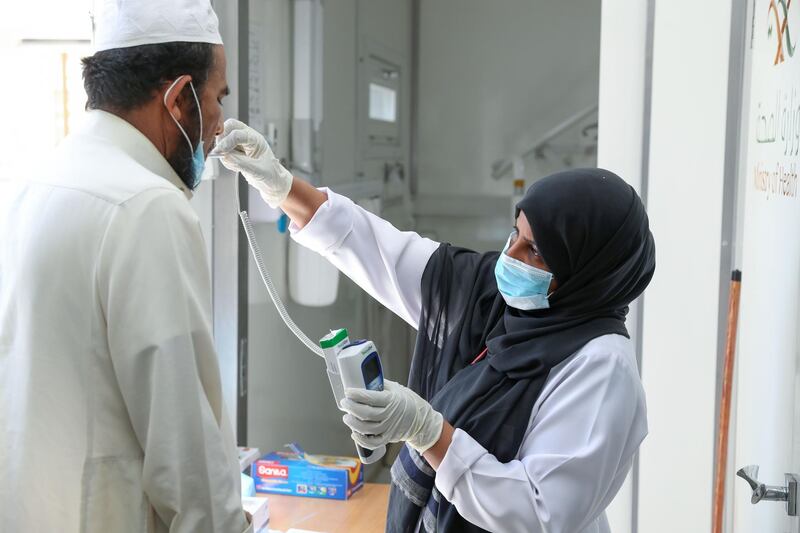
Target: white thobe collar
{"x":134,"y":143}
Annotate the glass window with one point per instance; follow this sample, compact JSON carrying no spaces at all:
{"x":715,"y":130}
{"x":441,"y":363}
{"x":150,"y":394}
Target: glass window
{"x":44,"y":93}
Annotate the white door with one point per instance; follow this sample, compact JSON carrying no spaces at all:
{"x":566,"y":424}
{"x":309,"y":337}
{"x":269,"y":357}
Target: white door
{"x":768,"y":403}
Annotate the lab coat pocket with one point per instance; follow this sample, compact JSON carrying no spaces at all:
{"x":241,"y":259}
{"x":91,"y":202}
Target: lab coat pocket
{"x":113,"y":499}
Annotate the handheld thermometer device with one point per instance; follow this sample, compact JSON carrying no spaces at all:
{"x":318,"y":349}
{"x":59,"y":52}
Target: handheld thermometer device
{"x":360,"y":368}
{"x":356,"y":365}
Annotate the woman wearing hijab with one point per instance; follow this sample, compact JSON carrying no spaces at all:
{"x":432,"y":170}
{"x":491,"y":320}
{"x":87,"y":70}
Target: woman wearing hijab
{"x":524,"y":407}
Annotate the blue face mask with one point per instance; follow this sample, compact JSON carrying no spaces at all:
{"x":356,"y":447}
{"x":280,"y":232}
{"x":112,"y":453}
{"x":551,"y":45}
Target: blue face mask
{"x":523,"y":287}
{"x":198,"y":154}
{"x":198,"y":165}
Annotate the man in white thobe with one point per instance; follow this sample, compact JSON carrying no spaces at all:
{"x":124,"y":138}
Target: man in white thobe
{"x":111,"y":413}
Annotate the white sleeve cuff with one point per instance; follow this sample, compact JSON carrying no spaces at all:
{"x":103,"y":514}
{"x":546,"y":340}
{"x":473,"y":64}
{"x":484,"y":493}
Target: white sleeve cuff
{"x":329,"y":226}
{"x":463,"y":452}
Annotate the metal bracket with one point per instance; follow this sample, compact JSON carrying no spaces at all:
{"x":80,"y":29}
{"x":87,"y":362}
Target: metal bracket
{"x":772,"y":493}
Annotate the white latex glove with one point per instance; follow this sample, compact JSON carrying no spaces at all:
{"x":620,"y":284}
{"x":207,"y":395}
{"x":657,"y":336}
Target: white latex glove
{"x":243,"y":149}
{"x":394,"y":414}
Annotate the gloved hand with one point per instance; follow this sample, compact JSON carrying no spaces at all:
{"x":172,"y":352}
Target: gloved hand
{"x":392,"y":415}
{"x":245,"y":150}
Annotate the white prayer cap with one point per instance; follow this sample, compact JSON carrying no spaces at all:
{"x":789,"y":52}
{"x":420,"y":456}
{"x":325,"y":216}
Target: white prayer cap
{"x":125,"y":23}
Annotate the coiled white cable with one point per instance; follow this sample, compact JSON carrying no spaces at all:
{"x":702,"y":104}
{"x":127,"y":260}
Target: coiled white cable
{"x":267,"y":279}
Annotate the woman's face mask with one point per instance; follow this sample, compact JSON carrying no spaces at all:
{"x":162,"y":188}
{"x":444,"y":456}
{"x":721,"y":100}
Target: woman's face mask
{"x":523,"y":286}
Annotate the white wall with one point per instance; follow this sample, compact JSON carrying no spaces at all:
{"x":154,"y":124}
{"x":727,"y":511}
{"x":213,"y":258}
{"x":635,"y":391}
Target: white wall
{"x":689,"y":97}
{"x":620,"y":142}
{"x":684,"y":192}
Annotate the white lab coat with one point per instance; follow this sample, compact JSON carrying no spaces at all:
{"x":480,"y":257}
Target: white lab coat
{"x":111,"y":413}
{"x":584,"y":429}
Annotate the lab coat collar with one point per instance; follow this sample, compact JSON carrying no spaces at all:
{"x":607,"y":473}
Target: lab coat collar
{"x":133,"y":142}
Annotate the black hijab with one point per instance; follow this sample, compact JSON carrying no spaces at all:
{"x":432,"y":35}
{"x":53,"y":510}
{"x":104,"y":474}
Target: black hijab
{"x":592,"y":231}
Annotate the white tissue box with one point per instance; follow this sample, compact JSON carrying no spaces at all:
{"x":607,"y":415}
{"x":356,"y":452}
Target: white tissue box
{"x":259,"y":510}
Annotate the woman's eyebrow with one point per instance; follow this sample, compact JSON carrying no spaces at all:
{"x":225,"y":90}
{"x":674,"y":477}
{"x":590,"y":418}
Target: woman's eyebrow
{"x":529,"y":241}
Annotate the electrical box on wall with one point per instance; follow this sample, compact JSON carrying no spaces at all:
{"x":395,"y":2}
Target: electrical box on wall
{"x":350,"y":129}
{"x":381,"y":117}
{"x":379,"y":112}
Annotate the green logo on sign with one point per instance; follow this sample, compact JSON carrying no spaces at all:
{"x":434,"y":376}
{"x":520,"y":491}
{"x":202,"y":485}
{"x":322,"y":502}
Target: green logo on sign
{"x":779,"y":26}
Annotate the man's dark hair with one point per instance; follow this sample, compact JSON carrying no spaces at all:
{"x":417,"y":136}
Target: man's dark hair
{"x":123,"y":79}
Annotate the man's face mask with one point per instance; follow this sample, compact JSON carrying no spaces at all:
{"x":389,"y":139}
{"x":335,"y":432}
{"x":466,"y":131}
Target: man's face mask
{"x":523,"y":287}
{"x":198,"y":154}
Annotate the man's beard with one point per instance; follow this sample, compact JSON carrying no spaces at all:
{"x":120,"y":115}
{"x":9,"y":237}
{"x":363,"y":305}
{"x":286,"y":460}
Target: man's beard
{"x":181,"y":160}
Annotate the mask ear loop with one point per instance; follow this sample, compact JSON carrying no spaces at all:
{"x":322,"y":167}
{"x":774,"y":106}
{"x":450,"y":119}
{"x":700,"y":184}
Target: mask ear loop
{"x":176,"y":120}
{"x":199,"y":111}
